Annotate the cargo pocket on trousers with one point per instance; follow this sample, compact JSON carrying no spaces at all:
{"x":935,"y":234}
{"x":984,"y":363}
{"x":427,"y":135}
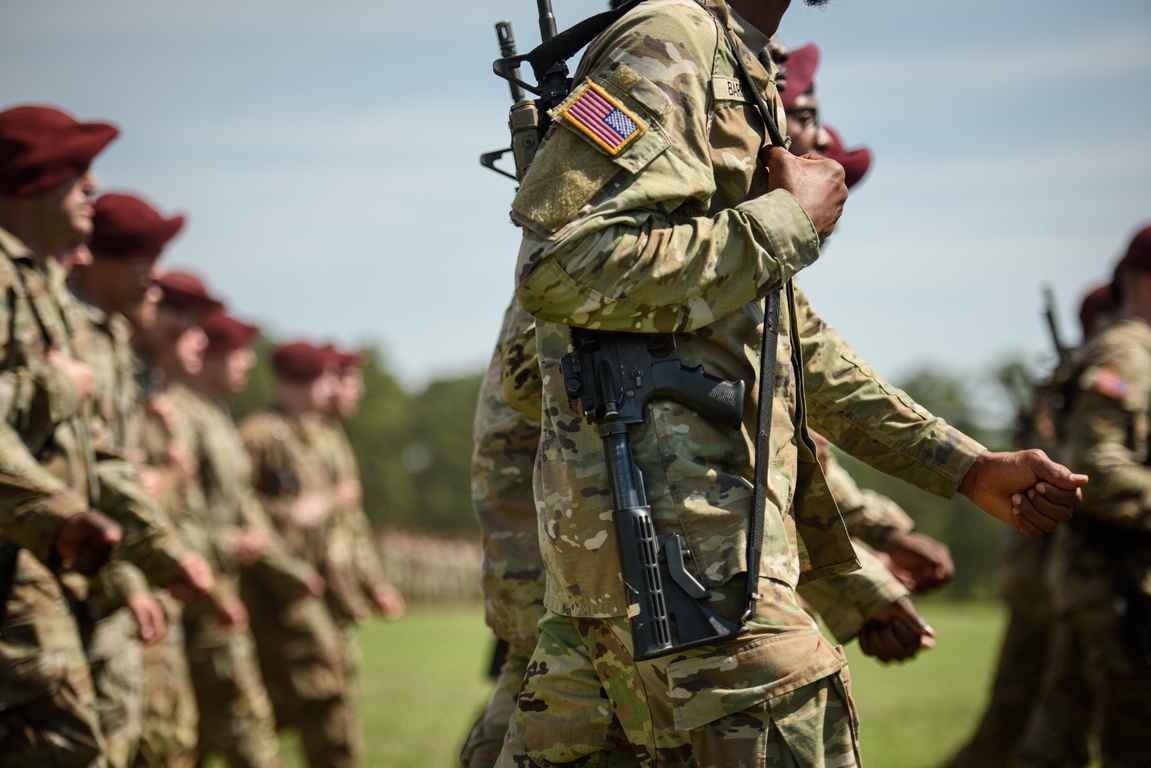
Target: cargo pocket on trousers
{"x":740,"y":676}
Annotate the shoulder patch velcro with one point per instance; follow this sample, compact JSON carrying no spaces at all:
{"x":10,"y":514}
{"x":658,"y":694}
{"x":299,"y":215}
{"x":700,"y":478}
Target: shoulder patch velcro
{"x":602,"y":119}
{"x":1111,"y":383}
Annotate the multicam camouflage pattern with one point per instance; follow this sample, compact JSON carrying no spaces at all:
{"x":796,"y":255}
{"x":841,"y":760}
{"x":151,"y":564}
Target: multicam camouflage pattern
{"x":1061,"y":726}
{"x":505,"y":443}
{"x":778,"y":697}
{"x":351,"y":561}
{"x":848,"y":601}
{"x":171,"y":717}
{"x":47,"y":702}
{"x":486,"y":739}
{"x":1102,"y":561}
{"x":235,"y":713}
{"x":871,"y":517}
{"x":116,"y":658}
{"x":697,"y":159}
{"x":303,"y":655}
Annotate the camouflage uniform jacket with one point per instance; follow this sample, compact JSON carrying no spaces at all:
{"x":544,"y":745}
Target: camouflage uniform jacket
{"x":674,"y":231}
{"x":115,"y":423}
{"x":506,"y":443}
{"x":504,"y":453}
{"x":871,"y":517}
{"x":285,"y":464}
{"x":1110,"y":440}
{"x":45,"y":456}
{"x":226,"y":500}
{"x":353,"y":568}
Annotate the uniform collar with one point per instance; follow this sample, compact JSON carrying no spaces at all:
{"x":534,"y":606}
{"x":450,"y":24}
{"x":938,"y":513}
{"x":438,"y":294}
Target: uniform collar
{"x":13,"y":246}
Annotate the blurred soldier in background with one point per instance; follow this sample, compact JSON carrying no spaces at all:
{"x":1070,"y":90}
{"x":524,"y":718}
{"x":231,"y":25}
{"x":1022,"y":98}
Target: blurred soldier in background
{"x":127,"y":238}
{"x":301,"y":648}
{"x":354,"y":576}
{"x":353,"y":572}
{"x":1101,"y":563}
{"x":235,"y":713}
{"x":47,"y":487}
{"x":1027,"y":655}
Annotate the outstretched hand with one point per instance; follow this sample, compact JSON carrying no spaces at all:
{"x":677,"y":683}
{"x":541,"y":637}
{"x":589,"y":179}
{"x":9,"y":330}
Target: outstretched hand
{"x":1024,"y":489}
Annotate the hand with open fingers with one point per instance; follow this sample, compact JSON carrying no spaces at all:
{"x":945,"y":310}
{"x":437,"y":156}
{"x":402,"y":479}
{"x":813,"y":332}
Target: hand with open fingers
{"x":815,"y":182}
{"x":1024,"y":489}
{"x":151,"y":623}
{"x":192,"y":579}
{"x":87,"y":541}
{"x":897,"y":633}
{"x":927,"y":561}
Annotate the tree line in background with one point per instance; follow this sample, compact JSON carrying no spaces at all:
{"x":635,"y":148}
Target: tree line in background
{"x":415,"y":457}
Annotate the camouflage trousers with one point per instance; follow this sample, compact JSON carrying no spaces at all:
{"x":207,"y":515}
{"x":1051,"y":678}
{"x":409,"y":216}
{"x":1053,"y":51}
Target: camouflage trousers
{"x":47,"y":702}
{"x":487,"y":735}
{"x":770,"y":699}
{"x":1028,"y":654}
{"x":116,"y":658}
{"x":304,"y":661}
{"x":1119,"y":686}
{"x":235,"y":714}
{"x":171,"y":719}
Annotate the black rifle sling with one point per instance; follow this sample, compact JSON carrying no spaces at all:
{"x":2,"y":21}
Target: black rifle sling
{"x":767,"y":361}
{"x":569,"y":42}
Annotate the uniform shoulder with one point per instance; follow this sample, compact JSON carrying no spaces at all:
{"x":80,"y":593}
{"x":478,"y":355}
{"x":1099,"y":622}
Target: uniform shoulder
{"x":655,"y":36}
{"x":263,"y":428}
{"x":1117,"y":363}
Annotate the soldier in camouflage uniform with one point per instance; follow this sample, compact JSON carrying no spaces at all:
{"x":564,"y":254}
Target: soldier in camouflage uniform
{"x":236,"y":716}
{"x":114,"y":288}
{"x":353,"y":571}
{"x":52,"y":470}
{"x":671,"y":225}
{"x":1101,"y":565}
{"x":1065,"y":720}
{"x":302,"y":651}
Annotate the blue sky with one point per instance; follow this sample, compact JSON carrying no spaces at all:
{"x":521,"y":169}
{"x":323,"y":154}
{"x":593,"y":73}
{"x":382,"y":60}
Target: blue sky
{"x":325,"y":154}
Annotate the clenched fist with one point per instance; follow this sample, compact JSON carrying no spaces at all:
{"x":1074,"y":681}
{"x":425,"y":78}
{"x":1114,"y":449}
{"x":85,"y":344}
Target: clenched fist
{"x":1024,"y":489}
{"x":87,"y":541}
{"x":815,"y":182}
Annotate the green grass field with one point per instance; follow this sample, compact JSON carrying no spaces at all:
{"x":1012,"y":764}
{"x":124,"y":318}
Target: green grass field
{"x":422,"y":686}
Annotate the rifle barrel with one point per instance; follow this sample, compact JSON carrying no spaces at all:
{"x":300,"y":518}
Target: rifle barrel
{"x":548,"y":28}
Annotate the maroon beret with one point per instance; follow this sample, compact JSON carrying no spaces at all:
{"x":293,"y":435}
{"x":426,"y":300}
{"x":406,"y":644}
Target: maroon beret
{"x":226,"y":333}
{"x":855,"y":162}
{"x":125,"y":227}
{"x":185,"y":291}
{"x":42,"y":147}
{"x":800,"y":74}
{"x":349,"y":359}
{"x":301,"y":361}
{"x":1100,"y":300}
{"x":1138,"y":257}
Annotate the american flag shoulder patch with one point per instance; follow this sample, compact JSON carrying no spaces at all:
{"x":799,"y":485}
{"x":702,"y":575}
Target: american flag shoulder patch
{"x":604,"y":120}
{"x":1112,"y":383}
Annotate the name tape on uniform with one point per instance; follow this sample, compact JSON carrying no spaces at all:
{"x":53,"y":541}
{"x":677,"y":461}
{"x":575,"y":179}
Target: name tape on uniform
{"x":603,"y":119}
{"x":727,"y":89}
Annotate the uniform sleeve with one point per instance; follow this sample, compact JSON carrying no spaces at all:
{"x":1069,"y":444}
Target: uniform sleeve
{"x":621,"y":240}
{"x":847,"y":602}
{"x":856,"y":410}
{"x":150,"y":541}
{"x":870,"y":517}
{"x":34,"y":503}
{"x":366,"y":559}
{"x":1113,"y":397}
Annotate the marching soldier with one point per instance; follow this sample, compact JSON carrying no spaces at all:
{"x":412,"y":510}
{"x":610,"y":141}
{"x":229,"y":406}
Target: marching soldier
{"x":667,"y":224}
{"x":1101,"y":565}
{"x":236,"y":718}
{"x":301,"y":648}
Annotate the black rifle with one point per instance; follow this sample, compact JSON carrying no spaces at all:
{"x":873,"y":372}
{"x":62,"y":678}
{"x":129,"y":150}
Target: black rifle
{"x":613,"y":376}
{"x":1053,"y":326}
{"x":529,"y":119}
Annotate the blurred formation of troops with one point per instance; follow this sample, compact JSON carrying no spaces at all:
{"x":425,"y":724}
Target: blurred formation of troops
{"x":657,"y":215}
{"x":172,"y":585}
